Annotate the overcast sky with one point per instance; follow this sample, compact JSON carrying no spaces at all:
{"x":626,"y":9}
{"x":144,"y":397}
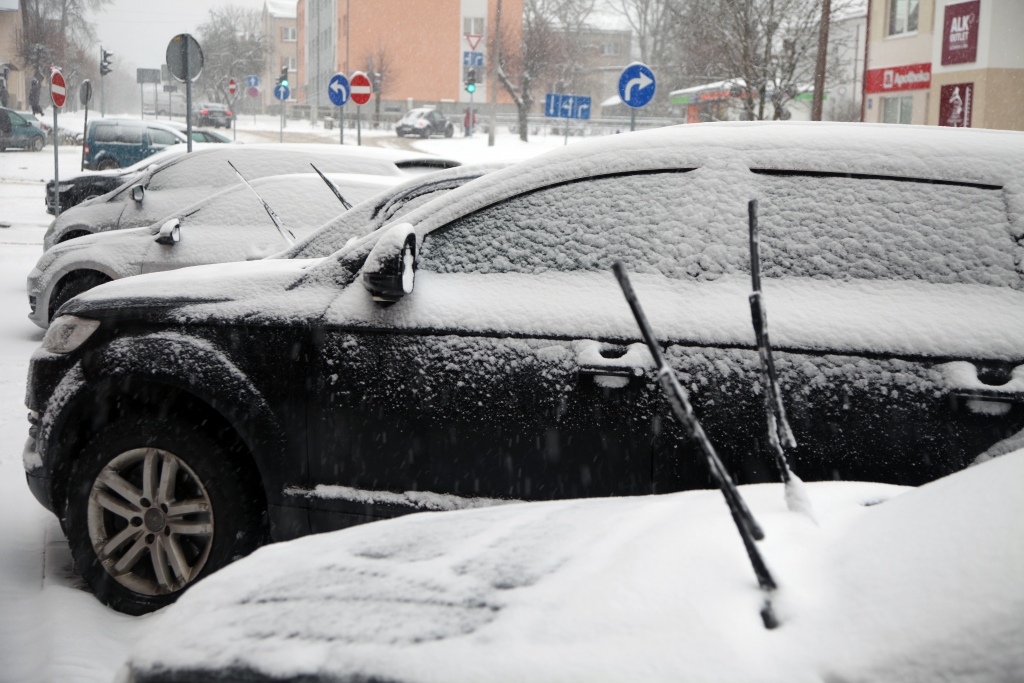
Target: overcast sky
{"x":137,"y":31}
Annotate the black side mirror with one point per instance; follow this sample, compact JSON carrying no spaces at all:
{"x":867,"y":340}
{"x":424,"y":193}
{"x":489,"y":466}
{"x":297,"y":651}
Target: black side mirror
{"x":389,"y":270}
{"x":138,"y":192}
{"x":170,"y":232}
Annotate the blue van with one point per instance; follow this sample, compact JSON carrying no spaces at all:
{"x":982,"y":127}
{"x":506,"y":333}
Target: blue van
{"x":116,"y":143}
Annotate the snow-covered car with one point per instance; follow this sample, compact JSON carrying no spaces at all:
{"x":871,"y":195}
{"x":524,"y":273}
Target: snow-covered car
{"x":191,"y":177}
{"x":891,"y":585}
{"x":231,"y":225}
{"x":479,"y":348}
{"x":424,"y":123}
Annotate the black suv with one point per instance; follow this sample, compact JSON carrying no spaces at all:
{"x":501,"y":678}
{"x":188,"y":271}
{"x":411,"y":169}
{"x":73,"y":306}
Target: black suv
{"x":424,"y":123}
{"x":212,"y":114}
{"x":480,"y":350}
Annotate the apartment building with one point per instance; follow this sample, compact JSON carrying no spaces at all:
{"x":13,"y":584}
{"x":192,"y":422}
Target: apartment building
{"x":945,"y":62}
{"x":280,"y":26}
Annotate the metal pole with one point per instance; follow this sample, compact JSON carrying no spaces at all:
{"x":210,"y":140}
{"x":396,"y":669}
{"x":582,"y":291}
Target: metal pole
{"x":632,"y":119}
{"x":282,"y":121}
{"x":56,"y":166}
{"x":234,"y":121}
{"x":566,"y":128}
{"x":495,"y":65}
{"x":103,"y":103}
{"x":341,"y":123}
{"x":472,"y":116}
{"x":85,"y":135}
{"x":142,"y":101}
{"x":188,"y":96}
{"x":359,"y":125}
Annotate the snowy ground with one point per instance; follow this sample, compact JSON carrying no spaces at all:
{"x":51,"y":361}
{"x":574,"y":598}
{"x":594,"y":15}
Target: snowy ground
{"x":50,"y":628}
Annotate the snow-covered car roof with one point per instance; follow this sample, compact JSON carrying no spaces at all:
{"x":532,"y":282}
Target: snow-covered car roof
{"x":892,"y":584}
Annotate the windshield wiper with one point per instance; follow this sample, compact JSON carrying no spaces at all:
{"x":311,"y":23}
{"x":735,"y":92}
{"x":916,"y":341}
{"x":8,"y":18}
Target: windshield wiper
{"x":334,"y":188}
{"x":287,"y":234}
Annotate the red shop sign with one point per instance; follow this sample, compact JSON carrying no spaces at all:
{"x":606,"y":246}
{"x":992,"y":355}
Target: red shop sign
{"x":896,"y":78}
{"x":960,"y":33}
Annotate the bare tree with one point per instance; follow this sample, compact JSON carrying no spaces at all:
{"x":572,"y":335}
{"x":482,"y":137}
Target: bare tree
{"x":649,"y":21}
{"x":233,"y":46}
{"x":380,"y":65}
{"x":545,"y":49}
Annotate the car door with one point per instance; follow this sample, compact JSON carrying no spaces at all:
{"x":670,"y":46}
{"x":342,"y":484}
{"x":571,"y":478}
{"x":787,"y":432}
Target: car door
{"x":21,"y":131}
{"x":160,"y":139}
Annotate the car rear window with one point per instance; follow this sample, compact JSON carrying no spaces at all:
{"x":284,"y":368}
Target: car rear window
{"x":693,"y":225}
{"x":106,"y":133}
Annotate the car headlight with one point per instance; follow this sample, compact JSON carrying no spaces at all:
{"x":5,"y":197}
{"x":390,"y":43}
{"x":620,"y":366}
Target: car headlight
{"x":67,"y":333}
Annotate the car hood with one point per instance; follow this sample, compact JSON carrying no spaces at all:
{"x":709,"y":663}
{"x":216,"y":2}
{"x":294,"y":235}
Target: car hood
{"x":269,"y":291}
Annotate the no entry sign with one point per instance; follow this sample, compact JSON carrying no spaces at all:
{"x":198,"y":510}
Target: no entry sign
{"x":58,"y":89}
{"x":232,"y":87}
{"x":360,"y":88}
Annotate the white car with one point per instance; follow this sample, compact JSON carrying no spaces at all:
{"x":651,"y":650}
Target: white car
{"x":191,"y":177}
{"x":232,"y":225}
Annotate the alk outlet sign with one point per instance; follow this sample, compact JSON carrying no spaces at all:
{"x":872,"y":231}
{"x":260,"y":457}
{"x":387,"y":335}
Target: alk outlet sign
{"x":566,"y":106}
{"x":360,"y":88}
{"x":58,"y":88}
{"x":960,"y":33}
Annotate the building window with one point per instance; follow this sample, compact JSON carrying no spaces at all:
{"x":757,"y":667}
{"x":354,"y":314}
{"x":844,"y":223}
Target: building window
{"x":897,"y":109}
{"x":902,"y":16}
{"x":290,"y":62}
{"x":473,"y":26}
{"x":610,"y":49}
{"x":289,"y":34}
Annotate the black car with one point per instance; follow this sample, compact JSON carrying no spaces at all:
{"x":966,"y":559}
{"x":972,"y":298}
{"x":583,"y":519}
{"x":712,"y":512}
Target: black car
{"x":212,"y":114}
{"x":480,"y":349}
{"x":424,"y":123}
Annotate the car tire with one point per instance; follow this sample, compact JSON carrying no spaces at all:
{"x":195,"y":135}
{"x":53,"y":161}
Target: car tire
{"x":449,"y":130}
{"x":425,"y":134}
{"x":107,"y":164}
{"x":400,"y":134}
{"x":157,"y":553}
{"x":72,"y":285}
{"x":38,"y":143}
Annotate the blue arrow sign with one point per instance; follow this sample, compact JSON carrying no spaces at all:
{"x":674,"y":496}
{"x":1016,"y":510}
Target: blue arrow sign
{"x":281,"y":92}
{"x":566,"y":106}
{"x":472,"y":59}
{"x":338,"y":89}
{"x":637,"y":85}
{"x":252,"y":81}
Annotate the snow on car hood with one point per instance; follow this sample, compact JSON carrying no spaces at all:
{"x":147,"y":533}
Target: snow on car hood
{"x":892,"y":585}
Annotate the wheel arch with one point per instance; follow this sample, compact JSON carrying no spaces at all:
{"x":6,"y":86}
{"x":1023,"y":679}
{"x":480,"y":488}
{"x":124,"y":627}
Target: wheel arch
{"x":63,"y":274}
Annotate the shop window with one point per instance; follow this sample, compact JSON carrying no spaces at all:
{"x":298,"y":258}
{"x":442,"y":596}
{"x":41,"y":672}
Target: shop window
{"x":902,"y":16}
{"x":897,"y":109}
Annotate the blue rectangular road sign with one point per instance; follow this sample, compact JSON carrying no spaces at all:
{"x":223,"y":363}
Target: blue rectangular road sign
{"x":252,"y":81}
{"x":472,"y":59}
{"x":566,"y":106}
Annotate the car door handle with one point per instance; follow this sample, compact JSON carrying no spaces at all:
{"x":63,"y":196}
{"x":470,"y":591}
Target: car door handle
{"x":610,"y":376}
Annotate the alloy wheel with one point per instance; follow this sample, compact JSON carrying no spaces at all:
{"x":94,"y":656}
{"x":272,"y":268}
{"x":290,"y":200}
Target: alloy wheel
{"x":150,"y":521}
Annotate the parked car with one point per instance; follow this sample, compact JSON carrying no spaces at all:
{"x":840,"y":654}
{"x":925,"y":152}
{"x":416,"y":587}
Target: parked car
{"x":35,"y":120}
{"x":191,"y":177}
{"x":231,"y":225}
{"x":116,"y":143}
{"x":424,"y":123}
{"x":17,"y":131}
{"x":480,"y":348}
{"x":203,"y":135}
{"x":211,"y":114}
{"x":82,"y":187}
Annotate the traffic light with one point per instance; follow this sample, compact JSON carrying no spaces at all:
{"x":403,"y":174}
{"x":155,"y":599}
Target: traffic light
{"x":105,"y":61}
{"x":471,"y":81}
{"x":283,"y":78}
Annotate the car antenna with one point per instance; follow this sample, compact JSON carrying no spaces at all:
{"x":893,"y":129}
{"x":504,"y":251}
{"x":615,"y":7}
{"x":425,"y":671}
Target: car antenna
{"x":287,"y":234}
{"x":780,"y":436}
{"x":748,"y":527}
{"x":334,"y":188}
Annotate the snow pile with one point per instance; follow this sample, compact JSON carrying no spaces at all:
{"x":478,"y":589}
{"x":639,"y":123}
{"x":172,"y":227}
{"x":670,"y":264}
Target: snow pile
{"x":419,"y":500}
{"x":894,"y":585}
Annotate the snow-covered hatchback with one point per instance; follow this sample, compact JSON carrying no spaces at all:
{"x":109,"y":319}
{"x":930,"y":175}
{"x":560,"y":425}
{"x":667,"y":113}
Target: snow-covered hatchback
{"x":480,"y":349}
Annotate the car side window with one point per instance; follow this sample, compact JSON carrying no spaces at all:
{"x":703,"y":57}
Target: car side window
{"x":158,"y":136}
{"x":131,"y":135}
{"x":17,"y":120}
{"x":106,"y":133}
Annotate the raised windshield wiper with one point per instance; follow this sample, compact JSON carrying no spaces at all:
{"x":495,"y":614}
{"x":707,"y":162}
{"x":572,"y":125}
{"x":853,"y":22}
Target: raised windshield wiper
{"x":334,"y":188}
{"x":287,"y":234}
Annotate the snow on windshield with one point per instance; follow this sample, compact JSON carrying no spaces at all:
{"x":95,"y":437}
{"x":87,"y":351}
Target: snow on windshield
{"x":414,"y":114}
{"x":694,"y":225}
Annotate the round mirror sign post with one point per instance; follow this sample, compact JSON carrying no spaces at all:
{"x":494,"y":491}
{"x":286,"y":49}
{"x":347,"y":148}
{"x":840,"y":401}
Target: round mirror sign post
{"x":185,"y":62}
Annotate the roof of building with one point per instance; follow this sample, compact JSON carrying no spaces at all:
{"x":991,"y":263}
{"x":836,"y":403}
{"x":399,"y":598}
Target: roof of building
{"x":281,"y":9}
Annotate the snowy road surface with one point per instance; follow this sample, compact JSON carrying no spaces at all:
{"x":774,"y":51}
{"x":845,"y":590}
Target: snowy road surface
{"x":50,"y":628}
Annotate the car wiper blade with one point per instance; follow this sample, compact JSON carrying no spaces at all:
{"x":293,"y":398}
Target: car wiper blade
{"x":287,"y":234}
{"x":334,"y":188}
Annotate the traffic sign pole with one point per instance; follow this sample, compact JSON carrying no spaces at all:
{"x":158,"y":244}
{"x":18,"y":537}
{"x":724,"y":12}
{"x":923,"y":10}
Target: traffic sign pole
{"x":360,"y":90}
{"x":58,"y":93}
{"x":232,"y":89}
{"x":188,"y":101}
{"x":84,"y":95}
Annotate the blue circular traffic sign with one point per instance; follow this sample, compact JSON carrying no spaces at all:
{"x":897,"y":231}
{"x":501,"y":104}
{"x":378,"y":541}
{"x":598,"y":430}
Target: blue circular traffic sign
{"x":337,"y":90}
{"x":281,"y":92}
{"x":636,"y":85}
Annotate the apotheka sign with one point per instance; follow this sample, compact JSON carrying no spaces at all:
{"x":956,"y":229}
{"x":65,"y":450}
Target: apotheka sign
{"x":960,"y":33}
{"x":896,"y":78}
